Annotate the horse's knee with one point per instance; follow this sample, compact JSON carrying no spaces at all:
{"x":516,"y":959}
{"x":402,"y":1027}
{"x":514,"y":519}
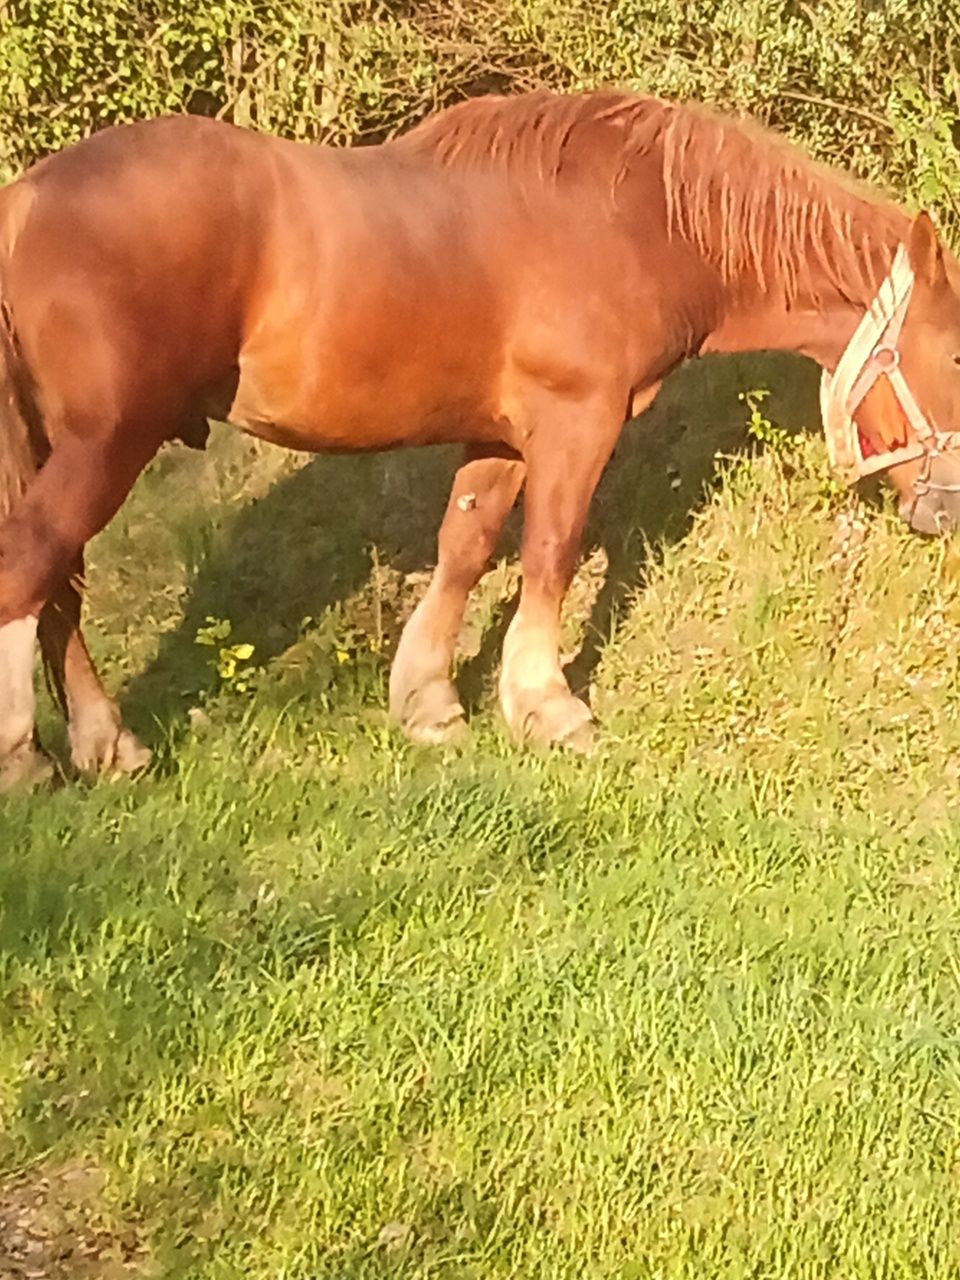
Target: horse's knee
{"x":549,"y":563}
{"x":484,"y":491}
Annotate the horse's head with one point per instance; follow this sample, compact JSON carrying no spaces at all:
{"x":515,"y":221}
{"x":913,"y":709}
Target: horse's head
{"x":893,"y":404}
{"x":929,"y":486}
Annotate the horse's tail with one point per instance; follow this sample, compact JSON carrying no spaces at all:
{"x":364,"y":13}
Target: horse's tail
{"x":23,"y":443}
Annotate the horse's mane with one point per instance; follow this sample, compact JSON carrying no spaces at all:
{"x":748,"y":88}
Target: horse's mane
{"x":753,"y":204}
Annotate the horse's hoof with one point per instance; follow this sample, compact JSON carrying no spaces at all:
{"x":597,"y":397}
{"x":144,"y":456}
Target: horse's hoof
{"x":432,"y":716}
{"x":25,"y":769}
{"x":581,"y":740}
{"x":452,"y":733}
{"x":131,"y":755}
{"x":559,"y":720}
{"x":105,"y":749}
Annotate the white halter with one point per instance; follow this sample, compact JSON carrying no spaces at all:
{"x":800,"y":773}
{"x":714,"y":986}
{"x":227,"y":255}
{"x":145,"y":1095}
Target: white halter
{"x":873,"y":352}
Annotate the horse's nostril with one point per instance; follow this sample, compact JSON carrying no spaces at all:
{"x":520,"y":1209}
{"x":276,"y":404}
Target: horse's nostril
{"x":927,"y":514}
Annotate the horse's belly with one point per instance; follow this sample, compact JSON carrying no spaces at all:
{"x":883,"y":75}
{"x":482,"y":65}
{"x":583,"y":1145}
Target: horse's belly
{"x":373,"y":435}
{"x":300,"y":408}
{"x":279,"y":402}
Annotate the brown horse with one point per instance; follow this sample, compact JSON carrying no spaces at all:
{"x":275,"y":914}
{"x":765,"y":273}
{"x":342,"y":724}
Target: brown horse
{"x":515,"y":274}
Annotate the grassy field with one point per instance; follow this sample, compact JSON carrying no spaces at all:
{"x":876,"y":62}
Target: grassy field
{"x":309,"y":1002}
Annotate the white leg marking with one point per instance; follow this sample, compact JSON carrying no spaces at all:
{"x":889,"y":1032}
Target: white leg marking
{"x":534,"y":694}
{"x":18,"y":701}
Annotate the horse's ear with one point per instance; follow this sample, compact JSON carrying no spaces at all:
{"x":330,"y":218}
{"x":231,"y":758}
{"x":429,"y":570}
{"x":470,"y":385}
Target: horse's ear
{"x":923,"y":246}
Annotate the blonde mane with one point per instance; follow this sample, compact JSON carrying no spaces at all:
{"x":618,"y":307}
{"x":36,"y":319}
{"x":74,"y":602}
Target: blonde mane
{"x":753,"y":204}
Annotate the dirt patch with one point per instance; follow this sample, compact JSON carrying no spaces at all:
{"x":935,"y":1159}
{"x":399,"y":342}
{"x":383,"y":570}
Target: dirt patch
{"x":53,"y":1227}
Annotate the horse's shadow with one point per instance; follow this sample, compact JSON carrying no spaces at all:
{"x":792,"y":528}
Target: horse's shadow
{"x":314,"y":540}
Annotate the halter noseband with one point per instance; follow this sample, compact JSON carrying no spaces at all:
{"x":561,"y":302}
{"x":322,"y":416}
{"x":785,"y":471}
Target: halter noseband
{"x":871,"y":353}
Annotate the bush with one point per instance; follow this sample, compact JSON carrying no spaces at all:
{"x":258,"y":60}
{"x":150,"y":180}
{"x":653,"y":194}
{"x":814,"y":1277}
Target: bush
{"x":869,"y":85}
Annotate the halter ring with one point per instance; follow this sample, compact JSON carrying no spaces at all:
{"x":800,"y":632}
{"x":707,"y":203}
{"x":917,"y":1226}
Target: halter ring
{"x":886,"y":358}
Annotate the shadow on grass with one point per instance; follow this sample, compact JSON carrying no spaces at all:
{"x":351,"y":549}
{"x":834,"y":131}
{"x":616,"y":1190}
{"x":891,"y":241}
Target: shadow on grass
{"x":310,"y":543}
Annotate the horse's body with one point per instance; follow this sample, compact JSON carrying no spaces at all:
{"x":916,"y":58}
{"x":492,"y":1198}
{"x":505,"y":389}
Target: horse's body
{"x":515,"y":275}
{"x":325,"y":300}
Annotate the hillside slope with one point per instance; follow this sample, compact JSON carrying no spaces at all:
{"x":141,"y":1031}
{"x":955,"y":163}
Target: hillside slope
{"x":308,"y":1002}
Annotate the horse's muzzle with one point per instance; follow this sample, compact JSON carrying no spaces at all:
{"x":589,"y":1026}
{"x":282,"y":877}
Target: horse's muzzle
{"x":933,"y":506}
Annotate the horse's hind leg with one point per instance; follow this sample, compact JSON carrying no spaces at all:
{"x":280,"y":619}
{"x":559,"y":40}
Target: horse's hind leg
{"x":22,"y":763}
{"x":422,"y":695}
{"x":79,"y":488}
{"x":99,"y":742}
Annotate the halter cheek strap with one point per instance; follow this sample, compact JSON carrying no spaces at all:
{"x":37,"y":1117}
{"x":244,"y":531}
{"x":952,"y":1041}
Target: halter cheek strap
{"x":871,"y":353}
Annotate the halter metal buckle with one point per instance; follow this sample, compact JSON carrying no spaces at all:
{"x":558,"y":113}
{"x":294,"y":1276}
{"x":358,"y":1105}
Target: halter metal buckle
{"x":886,"y":358}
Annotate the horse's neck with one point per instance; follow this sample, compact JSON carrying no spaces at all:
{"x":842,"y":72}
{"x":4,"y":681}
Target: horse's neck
{"x":819,"y":330}
{"x":814,"y":314}
{"x":819,"y":322}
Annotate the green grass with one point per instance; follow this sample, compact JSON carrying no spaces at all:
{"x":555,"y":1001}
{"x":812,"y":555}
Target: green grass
{"x":310,"y":1002}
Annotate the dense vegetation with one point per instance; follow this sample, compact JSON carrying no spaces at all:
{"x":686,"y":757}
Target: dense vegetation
{"x":310,"y":1003}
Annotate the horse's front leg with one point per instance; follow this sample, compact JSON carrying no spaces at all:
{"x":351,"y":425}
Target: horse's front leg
{"x":423,"y":697}
{"x":569,"y":443}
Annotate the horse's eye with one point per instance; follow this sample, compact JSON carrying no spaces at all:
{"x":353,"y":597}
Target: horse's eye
{"x":956,"y":360}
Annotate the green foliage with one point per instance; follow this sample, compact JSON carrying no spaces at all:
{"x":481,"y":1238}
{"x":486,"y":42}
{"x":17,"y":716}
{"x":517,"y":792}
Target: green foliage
{"x":308,"y":1002}
{"x":870,"y":86}
{"x":230,"y":661}
{"x":928,"y":127}
{"x":759,"y":426}
{"x":316,"y":69}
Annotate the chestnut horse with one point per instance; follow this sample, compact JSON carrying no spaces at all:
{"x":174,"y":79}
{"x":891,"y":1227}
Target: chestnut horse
{"x":518,"y":275}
